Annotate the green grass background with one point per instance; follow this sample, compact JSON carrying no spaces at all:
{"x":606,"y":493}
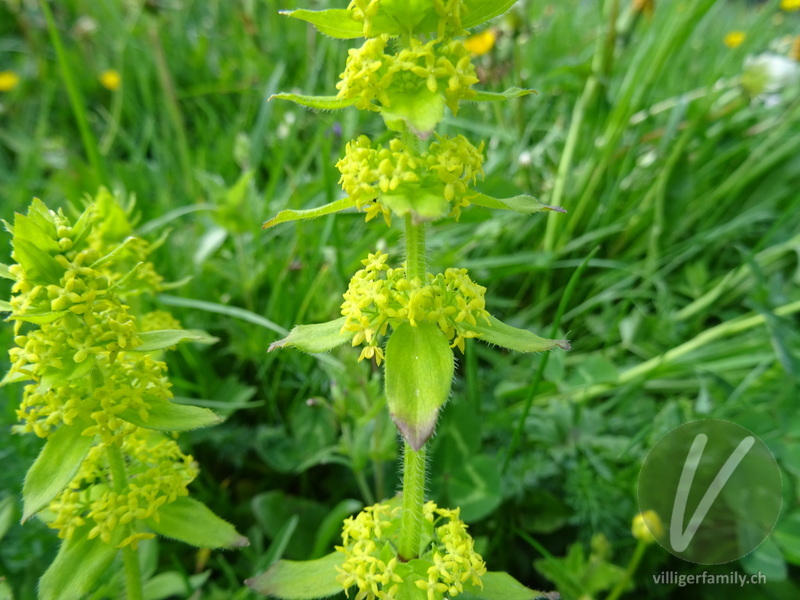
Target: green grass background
{"x":674,"y":273}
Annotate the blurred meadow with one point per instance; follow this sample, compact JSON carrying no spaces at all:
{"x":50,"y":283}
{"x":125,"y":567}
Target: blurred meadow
{"x":668,"y":129}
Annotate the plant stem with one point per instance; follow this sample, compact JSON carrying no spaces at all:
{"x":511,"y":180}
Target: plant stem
{"x":414,"y":463}
{"x":415,"y":250}
{"x":632,"y":566}
{"x":130,"y":557}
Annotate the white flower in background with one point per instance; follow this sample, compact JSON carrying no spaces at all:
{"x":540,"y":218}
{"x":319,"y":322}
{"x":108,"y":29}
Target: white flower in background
{"x":769,"y":74}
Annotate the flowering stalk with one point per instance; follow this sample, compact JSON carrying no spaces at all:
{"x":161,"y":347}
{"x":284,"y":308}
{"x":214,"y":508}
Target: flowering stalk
{"x":410,"y":69}
{"x":98,"y":395}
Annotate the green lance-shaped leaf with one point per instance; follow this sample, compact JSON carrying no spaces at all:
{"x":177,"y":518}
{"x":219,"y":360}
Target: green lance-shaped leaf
{"x":5,"y":306}
{"x":39,"y":266}
{"x":164,"y":415}
{"x":419,"y":372}
{"x":520,"y":340}
{"x":5,"y":273}
{"x":513,"y":92}
{"x":522,"y":204}
{"x":480,"y":11}
{"x":335,"y":22}
{"x":164,"y":338}
{"x":295,"y":580}
{"x":193,"y":523}
{"x":301,"y":215}
{"x":78,"y":566}
{"x":317,"y":102}
{"x":499,"y":586}
{"x":56,"y":465}
{"x":38,"y":233}
{"x":320,"y":337}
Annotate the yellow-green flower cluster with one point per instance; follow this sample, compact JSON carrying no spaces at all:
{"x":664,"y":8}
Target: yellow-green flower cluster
{"x":446,"y":170}
{"x":157,"y":474}
{"x":377,"y":79}
{"x":77,"y":352}
{"x":447,"y":565}
{"x":379,"y":296}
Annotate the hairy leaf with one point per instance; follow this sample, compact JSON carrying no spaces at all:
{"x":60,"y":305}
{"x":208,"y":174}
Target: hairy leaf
{"x":522,"y":204}
{"x":164,"y":338}
{"x":335,"y":22}
{"x":78,"y":566}
{"x":317,"y":102}
{"x":480,"y":11}
{"x":519,"y":340}
{"x":56,"y":465}
{"x":193,"y":523}
{"x":295,"y":580}
{"x":319,"y":337}
{"x":301,"y":215}
{"x":419,"y":372}
{"x":164,"y":415}
{"x":513,"y":92}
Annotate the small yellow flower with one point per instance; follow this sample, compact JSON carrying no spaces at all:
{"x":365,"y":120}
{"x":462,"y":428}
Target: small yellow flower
{"x":8,"y":81}
{"x":110,"y":79}
{"x":734,"y":39}
{"x":790,"y":5}
{"x":647,"y":526}
{"x":481,"y":43}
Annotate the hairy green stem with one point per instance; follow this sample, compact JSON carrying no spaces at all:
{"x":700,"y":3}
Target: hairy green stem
{"x":414,"y":463}
{"x":415,"y":250}
{"x":130,"y":557}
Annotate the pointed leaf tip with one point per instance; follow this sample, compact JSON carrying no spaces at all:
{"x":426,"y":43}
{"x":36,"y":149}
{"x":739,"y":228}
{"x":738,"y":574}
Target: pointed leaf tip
{"x":314,"y":339}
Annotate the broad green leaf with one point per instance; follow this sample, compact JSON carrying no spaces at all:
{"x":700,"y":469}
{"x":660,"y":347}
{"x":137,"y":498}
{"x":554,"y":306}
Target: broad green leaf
{"x":296,"y":580}
{"x":193,"y":523}
{"x":79,"y":564}
{"x":164,"y":415}
{"x":164,"y":338}
{"x":38,"y":265}
{"x":39,"y":318}
{"x":519,"y":340}
{"x":166,"y":585}
{"x":320,"y":337}
{"x":301,"y":215}
{"x":419,"y":372}
{"x":514,"y":92}
{"x":5,"y":306}
{"x":70,"y":370}
{"x":499,"y":586}
{"x":335,"y":22}
{"x":42,"y":217}
{"x":317,"y":102}
{"x":26,"y":228}
{"x":480,"y":11}
{"x":56,"y":465}
{"x":522,"y":204}
{"x":5,"y":273}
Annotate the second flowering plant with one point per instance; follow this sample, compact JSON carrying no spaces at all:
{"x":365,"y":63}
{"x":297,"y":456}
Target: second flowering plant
{"x":411,"y":68}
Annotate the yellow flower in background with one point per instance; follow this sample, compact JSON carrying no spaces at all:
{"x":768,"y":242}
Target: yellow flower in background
{"x":647,"y":526}
{"x":790,"y":5}
{"x":734,"y":39}
{"x":8,"y":81}
{"x":482,"y":42}
{"x":110,"y":79}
